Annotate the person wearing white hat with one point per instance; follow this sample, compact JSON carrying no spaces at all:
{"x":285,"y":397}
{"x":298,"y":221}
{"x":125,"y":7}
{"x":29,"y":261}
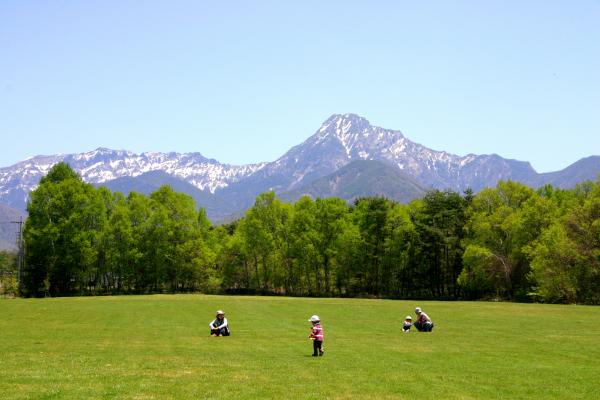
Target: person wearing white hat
{"x":219,"y":326}
{"x":423,"y":322}
{"x":407,"y":324}
{"x":317,"y":336}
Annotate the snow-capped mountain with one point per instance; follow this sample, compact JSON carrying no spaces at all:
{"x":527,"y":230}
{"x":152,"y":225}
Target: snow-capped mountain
{"x":103,"y":165}
{"x":355,"y":138}
{"x":340,"y":140}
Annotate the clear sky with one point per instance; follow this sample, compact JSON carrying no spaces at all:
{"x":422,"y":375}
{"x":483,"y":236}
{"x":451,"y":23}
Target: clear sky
{"x":243,"y":81}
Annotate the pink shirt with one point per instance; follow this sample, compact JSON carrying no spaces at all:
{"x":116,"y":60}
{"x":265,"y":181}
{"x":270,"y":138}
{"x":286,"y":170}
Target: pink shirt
{"x":423,"y":318}
{"x":317,"y":332}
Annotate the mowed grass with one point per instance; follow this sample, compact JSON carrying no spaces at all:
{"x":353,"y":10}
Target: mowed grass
{"x":158,"y":347}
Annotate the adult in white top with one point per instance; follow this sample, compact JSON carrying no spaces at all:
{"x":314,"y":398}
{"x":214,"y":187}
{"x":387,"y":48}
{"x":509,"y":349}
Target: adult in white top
{"x":423,"y":322}
{"x":219,"y":326}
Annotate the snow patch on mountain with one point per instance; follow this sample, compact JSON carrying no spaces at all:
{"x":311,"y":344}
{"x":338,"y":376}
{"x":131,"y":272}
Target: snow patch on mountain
{"x":340,"y":140}
{"x":103,"y":165}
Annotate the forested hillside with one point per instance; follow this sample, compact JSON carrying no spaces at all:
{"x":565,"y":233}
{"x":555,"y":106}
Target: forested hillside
{"x":511,"y":242}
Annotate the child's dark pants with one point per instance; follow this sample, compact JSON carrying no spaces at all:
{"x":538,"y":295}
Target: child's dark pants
{"x":317,"y":347}
{"x":220,"y":332}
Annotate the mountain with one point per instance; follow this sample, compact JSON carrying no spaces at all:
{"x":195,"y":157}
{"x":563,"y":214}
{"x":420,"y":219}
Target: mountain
{"x":216,"y":206}
{"x":361,"y":178}
{"x":340,"y":141}
{"x":586,"y":169}
{"x":346,"y":138}
{"x":8,"y":228}
{"x":103,"y":165}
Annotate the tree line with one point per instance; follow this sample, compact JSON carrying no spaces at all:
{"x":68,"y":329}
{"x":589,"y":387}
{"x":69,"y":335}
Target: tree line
{"x":8,"y":273}
{"x":510,"y":242}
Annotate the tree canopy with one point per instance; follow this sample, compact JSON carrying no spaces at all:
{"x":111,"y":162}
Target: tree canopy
{"x":509,"y":242}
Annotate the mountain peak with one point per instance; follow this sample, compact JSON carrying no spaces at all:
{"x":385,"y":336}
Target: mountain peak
{"x":345,"y":121}
{"x":341,"y":125}
{"x":358,"y":137}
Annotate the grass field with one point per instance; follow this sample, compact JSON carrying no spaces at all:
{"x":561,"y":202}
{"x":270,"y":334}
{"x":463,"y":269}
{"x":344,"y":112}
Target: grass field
{"x":158,"y":347}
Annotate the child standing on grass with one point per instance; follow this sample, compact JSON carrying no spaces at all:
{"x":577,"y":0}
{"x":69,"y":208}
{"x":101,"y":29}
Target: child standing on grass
{"x":316,"y":335}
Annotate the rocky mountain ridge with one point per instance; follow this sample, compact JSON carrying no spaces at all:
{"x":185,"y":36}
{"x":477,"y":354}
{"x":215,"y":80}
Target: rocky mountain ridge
{"x":104,"y":165}
{"x":339,"y":141}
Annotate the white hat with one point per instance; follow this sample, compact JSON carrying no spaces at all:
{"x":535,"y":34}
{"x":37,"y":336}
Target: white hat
{"x":418,"y":310}
{"x":314,"y":318}
{"x":220,"y":312}
{"x":408,"y":317}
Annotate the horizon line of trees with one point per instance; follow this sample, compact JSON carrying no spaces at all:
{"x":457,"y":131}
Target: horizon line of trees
{"x":510,"y":242}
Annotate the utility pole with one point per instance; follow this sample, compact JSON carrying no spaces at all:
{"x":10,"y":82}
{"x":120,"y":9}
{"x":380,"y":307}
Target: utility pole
{"x":21,"y":254}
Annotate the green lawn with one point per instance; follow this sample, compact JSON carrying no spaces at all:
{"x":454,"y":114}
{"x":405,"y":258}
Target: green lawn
{"x":158,"y":347}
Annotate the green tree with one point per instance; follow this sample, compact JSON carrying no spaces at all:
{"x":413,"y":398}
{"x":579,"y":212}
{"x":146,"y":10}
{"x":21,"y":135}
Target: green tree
{"x":266,"y":236}
{"x":439,"y":221}
{"x":555,"y":265}
{"x":181,"y":258}
{"x":8,"y":274}
{"x":120,"y":248}
{"x":305,"y":241}
{"x":400,"y":241}
{"x":370,"y":216}
{"x":137,"y":272}
{"x":349,"y":259}
{"x":316,"y":228}
{"x":234,"y":263}
{"x":566,"y":258}
{"x":61,"y":234}
{"x":503,"y":223}
{"x":331,"y":217}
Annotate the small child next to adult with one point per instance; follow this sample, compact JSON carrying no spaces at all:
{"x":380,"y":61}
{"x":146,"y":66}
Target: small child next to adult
{"x":407,"y":324}
{"x":316,"y":335}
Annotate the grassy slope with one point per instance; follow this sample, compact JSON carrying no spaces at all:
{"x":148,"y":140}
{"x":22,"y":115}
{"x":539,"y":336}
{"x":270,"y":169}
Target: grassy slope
{"x":150,"y":347}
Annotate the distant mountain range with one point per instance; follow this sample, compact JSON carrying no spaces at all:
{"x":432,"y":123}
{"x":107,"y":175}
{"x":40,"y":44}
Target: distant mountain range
{"x":216,"y":206}
{"x":346,"y":157}
{"x":586,"y":169}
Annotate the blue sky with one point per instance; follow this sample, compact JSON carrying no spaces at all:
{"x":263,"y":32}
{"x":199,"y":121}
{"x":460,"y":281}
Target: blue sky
{"x":244,"y":81}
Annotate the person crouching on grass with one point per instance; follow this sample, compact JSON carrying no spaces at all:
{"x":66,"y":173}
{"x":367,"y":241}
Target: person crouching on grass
{"x":423,"y":322}
{"x":316,"y":335}
{"x":219,"y":327}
